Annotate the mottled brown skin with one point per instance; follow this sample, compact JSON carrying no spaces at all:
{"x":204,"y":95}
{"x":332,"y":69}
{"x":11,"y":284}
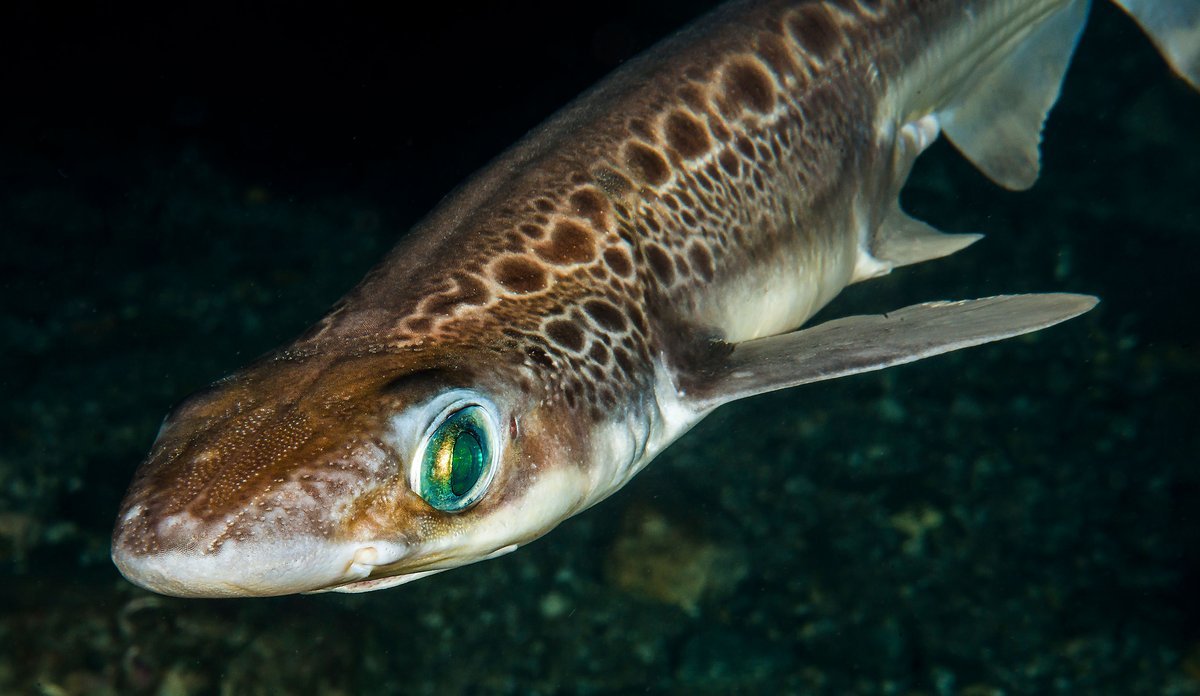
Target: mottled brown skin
{"x":606,"y":240}
{"x":610,"y":218}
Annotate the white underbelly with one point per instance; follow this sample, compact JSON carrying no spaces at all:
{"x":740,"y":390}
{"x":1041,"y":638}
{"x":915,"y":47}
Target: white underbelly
{"x":781,"y":296}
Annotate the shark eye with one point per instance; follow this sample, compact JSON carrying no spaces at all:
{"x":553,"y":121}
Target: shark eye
{"x":457,"y":460}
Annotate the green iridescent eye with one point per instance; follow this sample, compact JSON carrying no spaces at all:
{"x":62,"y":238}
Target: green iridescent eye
{"x":455,"y":466}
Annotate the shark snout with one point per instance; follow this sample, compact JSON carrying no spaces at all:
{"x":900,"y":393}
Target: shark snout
{"x":239,"y":568}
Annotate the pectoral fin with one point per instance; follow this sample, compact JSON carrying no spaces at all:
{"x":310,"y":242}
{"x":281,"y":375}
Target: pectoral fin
{"x":872,"y":342}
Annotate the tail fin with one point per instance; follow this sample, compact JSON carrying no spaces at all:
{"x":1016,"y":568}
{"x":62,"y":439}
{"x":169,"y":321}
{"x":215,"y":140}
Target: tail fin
{"x":1174,"y":27}
{"x":998,"y":123}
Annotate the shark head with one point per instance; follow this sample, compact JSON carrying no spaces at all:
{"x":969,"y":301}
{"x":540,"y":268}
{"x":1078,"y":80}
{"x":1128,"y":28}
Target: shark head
{"x":313,"y":473}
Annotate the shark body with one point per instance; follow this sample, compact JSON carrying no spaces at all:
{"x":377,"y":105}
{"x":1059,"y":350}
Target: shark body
{"x":645,"y":256}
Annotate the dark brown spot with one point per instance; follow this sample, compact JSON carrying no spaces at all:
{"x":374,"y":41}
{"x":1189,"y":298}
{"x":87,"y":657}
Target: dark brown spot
{"x":471,"y":290}
{"x":687,"y":218}
{"x":776,"y":54}
{"x":641,"y":129}
{"x":681,"y":266}
{"x":613,"y":183}
{"x":749,"y":85}
{"x":671,"y":201}
{"x":647,"y":164}
{"x":638,"y":318}
{"x":591,"y":204}
{"x":519,"y":274}
{"x":719,"y":130}
{"x":729,"y":162}
{"x":420,"y":324}
{"x":686,"y":135}
{"x":618,"y":261}
{"x":598,"y":353}
{"x":624,"y":361}
{"x":569,"y":243}
{"x":566,"y":334}
{"x":515,"y":243}
{"x":746,"y":147}
{"x":815,"y":31}
{"x":605,"y":314}
{"x":660,"y":263}
{"x":532,"y":231}
{"x":785,"y":136}
{"x":702,"y":261}
{"x":539,"y":356}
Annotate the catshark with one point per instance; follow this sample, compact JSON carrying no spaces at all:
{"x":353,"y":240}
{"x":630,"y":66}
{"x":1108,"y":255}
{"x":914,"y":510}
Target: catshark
{"x":648,"y":254}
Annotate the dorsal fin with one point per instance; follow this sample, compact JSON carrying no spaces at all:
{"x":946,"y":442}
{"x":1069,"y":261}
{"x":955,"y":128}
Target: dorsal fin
{"x":997,"y":122}
{"x":1174,"y":27}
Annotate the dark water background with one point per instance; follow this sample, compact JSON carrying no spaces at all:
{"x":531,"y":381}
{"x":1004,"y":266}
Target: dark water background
{"x":182,"y":190}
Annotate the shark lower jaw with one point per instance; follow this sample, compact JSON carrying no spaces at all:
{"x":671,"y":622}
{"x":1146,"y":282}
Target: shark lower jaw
{"x":372,"y":584}
{"x":249,"y":569}
{"x":390,"y":577}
